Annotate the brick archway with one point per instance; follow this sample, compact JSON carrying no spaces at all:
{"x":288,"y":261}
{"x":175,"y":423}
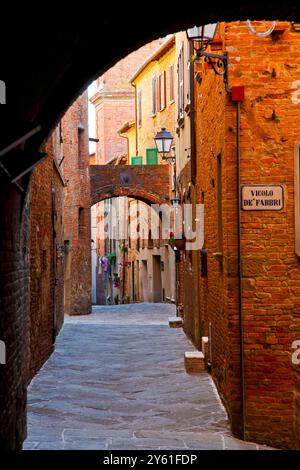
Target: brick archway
{"x":45,"y":68}
{"x":148,"y":183}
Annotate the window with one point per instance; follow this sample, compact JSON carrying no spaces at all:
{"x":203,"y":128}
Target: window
{"x":219,"y":203}
{"x":180,"y":72}
{"x":158,"y":104}
{"x":297,"y":197}
{"x":140,"y":107}
{"x":162,"y":91}
{"x":151,"y":156}
{"x":154,"y":97}
{"x":80,"y":221}
{"x":136,"y":160}
{"x":188,"y":93}
{"x":80,"y":135}
{"x":171,"y":82}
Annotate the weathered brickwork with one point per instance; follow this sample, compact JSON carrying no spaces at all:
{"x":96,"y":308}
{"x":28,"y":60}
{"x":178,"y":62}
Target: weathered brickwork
{"x":271,"y":271}
{"x":14,"y":300}
{"x":149,"y":183}
{"x":77,"y":215}
{"x":46,"y":263}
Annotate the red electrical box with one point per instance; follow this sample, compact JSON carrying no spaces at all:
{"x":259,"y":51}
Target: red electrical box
{"x":238,"y":93}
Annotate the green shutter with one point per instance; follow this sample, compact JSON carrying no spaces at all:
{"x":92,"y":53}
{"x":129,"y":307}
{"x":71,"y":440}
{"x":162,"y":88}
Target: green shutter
{"x":151,"y":156}
{"x":136,"y":160}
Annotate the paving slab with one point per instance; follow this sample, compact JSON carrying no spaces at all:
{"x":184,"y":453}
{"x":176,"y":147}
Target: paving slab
{"x":117,"y":381}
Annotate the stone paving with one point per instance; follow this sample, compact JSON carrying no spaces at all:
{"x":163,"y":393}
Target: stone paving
{"x":117,"y":381}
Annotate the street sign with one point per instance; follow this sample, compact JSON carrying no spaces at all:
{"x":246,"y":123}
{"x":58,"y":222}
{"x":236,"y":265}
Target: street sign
{"x":262,"y":198}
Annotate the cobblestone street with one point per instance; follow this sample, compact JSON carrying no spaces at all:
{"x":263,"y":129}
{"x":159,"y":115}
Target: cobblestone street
{"x":117,"y":381}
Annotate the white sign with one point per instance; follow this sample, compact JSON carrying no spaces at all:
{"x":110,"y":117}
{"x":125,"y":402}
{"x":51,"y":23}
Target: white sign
{"x":262,"y":198}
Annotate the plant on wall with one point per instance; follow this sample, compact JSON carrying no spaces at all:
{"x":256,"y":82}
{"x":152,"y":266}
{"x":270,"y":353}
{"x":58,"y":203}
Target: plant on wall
{"x":112,"y":258}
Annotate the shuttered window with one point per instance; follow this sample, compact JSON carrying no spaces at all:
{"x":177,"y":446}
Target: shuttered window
{"x":154,"y":86}
{"x":188,"y":93}
{"x":136,"y":160}
{"x":151,"y":156}
{"x":140,"y":107}
{"x":171,"y":82}
{"x":162,"y":89}
{"x":180,"y":71}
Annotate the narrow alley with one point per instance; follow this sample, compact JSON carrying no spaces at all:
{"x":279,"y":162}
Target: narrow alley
{"x":117,"y":381}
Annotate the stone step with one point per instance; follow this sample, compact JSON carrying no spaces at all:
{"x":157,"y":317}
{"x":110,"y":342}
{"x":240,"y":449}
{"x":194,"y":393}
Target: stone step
{"x":175,"y":322}
{"x":194,"y":362}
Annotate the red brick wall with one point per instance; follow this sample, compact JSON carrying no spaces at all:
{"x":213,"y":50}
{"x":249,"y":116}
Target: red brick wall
{"x":14,"y":301}
{"x":77,"y":196}
{"x":271,"y":270}
{"x":149,"y":183}
{"x":189,"y":272}
{"x":46,"y":265}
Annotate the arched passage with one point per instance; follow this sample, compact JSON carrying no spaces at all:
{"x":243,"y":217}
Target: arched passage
{"x":44,"y":70}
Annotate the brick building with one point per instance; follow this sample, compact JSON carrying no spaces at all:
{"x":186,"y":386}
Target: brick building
{"x":59,"y":202}
{"x":77,"y":214}
{"x":248,"y":298}
{"x":46,"y":261}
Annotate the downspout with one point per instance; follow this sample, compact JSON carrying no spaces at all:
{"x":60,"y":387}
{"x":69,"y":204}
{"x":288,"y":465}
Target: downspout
{"x":192,"y":125}
{"x":136,"y":122}
{"x":238,"y":96}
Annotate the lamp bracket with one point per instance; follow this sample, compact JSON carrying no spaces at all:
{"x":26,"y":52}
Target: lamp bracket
{"x":218,"y":62}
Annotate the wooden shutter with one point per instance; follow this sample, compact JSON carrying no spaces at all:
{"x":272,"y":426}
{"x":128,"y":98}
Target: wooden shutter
{"x":162,"y":90}
{"x":158,"y":94}
{"x":171,"y":82}
{"x":140,"y":107}
{"x":188,"y":93}
{"x":151,"y":156}
{"x":136,"y":160}
{"x":154,"y":86}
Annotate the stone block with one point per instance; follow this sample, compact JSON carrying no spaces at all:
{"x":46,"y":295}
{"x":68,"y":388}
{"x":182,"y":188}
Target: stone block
{"x":175,"y":322}
{"x":194,"y":362}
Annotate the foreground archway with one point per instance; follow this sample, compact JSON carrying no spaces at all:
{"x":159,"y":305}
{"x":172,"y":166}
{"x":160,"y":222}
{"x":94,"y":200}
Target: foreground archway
{"x":44,"y":70}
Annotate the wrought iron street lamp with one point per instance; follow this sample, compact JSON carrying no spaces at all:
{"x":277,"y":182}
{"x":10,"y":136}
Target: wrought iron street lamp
{"x":163,"y":141}
{"x":202,"y":36}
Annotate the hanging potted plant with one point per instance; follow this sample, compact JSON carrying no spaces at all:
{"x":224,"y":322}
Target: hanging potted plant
{"x":171,"y":239}
{"x":176,"y":243}
{"x":112,"y":258}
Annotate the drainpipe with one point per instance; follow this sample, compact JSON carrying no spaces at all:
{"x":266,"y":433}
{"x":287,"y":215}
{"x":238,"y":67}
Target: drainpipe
{"x":192,"y":124}
{"x":136,"y":122}
{"x":237,"y":95}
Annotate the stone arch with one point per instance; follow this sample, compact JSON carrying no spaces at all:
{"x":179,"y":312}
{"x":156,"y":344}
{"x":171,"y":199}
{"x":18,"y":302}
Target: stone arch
{"x":147,"y":183}
{"x":64,"y":59}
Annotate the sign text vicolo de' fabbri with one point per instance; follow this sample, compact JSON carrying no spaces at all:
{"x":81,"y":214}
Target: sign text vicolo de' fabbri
{"x":262,"y":198}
